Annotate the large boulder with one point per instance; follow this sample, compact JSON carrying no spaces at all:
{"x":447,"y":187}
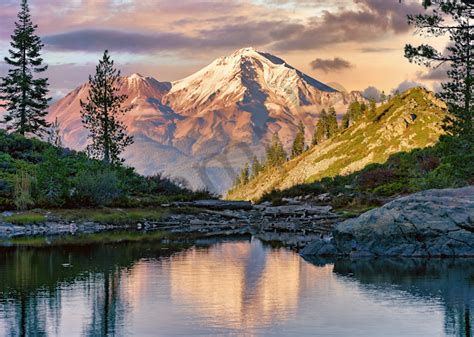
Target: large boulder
{"x":433,"y":223}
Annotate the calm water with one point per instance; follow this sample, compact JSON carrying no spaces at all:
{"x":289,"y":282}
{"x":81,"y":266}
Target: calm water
{"x":231,"y":288}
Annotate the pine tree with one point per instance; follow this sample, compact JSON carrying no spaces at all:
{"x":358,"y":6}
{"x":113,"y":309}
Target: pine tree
{"x":25,"y":95}
{"x":298,"y":144}
{"x":383,"y":97}
{"x":355,"y":111}
{"x":332,"y":127}
{"x":276,"y":154}
{"x":452,"y":18}
{"x":346,"y":120}
{"x":102,"y":111}
{"x":257,"y":167}
{"x":321,"y":128}
{"x":244,"y":175}
{"x":54,"y":137}
{"x":372,"y":112}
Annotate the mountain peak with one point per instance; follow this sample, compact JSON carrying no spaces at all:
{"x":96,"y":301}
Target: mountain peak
{"x":244,"y":51}
{"x":136,"y":76}
{"x":252,"y":53}
{"x":237,"y":100}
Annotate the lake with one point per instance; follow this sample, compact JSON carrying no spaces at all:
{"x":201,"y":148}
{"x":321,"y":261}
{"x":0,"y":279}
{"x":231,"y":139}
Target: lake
{"x":232,"y":287}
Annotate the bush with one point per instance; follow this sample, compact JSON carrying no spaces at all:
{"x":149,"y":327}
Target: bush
{"x":96,"y":188}
{"x":23,"y":199}
{"x":429,"y":162}
{"x":371,"y":179}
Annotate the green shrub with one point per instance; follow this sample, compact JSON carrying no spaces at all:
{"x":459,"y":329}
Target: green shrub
{"x":23,"y":199}
{"x":393,"y":188}
{"x":96,"y":188}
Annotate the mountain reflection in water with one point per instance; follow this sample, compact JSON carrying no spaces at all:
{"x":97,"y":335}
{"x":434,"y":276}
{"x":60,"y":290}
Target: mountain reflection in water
{"x":236,"y":287}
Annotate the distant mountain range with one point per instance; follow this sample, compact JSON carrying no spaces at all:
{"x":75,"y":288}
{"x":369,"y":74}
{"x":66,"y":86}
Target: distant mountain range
{"x":205,"y":127}
{"x":411,"y":120}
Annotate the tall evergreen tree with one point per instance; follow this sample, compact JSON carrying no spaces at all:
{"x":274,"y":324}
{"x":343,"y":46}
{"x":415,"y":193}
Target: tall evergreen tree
{"x":383,"y":97}
{"x":298,"y":144}
{"x":25,"y":95}
{"x":355,"y":111}
{"x":346,"y":119}
{"x":276,"y":154}
{"x":257,"y":167}
{"x":332,"y":127}
{"x":321,"y":128}
{"x":372,"y":112}
{"x":102,"y":112}
{"x":452,"y":18}
{"x":244,"y":175}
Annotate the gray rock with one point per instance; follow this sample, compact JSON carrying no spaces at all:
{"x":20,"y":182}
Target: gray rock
{"x":320,"y":247}
{"x":325,"y":197}
{"x":434,"y":223}
{"x":216,"y":204}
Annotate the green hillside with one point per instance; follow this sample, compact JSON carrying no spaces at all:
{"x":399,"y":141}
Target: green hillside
{"x":408,"y":121}
{"x":34,"y":173}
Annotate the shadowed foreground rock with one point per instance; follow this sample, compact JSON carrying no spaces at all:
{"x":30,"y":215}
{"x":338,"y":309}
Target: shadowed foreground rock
{"x":435,"y":223}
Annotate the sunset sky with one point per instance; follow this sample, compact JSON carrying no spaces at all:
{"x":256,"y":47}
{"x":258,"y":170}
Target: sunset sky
{"x":356,"y":43}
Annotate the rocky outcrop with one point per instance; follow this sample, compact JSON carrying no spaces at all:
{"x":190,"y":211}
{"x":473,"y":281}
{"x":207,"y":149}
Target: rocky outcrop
{"x":433,"y":223}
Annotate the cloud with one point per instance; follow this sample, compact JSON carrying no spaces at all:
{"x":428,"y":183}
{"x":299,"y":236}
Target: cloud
{"x":99,"y":40}
{"x":371,"y":92}
{"x":327,"y":65}
{"x":132,"y":25}
{"x":435,"y":74}
{"x":405,"y":85}
{"x":372,"y":20}
{"x":377,"y":50}
{"x":232,"y":35}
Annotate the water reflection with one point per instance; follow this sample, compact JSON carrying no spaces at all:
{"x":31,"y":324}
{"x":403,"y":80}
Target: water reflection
{"x":237,"y":288}
{"x":450,"y":281}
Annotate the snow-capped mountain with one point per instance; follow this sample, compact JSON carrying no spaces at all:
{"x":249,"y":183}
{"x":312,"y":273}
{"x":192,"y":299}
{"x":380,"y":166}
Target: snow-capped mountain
{"x":205,"y":127}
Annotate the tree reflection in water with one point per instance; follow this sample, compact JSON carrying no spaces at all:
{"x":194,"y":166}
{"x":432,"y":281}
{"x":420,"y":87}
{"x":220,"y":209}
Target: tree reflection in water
{"x":228,"y":286}
{"x":450,"y":280}
{"x":32,"y":280}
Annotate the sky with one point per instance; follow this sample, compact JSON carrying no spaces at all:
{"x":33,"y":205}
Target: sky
{"x":355,"y":43}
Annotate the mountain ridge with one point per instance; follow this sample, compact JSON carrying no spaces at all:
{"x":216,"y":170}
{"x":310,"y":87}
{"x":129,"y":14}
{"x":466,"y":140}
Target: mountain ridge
{"x":205,"y":126}
{"x":414,"y":119}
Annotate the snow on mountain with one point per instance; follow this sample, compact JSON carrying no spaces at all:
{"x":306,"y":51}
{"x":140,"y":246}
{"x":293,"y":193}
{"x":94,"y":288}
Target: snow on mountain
{"x":206,"y":126}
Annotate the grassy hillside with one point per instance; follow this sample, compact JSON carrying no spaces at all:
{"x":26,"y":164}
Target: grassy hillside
{"x":447,"y":164}
{"x":408,"y":121}
{"x":35,"y":174}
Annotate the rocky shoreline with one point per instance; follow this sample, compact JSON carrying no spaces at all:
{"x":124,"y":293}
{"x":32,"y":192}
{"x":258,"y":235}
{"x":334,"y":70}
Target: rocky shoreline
{"x":434,"y":223}
{"x":292,"y":225}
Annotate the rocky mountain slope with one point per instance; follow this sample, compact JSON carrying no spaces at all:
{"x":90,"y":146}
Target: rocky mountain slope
{"x":411,"y":120}
{"x":205,"y":127}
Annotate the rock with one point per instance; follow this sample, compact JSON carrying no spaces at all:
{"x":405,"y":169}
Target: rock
{"x":320,"y":247}
{"x":297,"y":210}
{"x":291,"y":201}
{"x":325,"y":197}
{"x":216,"y":204}
{"x":434,"y":223}
{"x":7,"y":214}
